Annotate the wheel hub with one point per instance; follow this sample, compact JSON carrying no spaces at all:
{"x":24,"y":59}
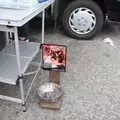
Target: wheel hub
{"x":82,"y":20}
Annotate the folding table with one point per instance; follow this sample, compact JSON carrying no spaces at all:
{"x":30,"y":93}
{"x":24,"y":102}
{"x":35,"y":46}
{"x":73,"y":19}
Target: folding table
{"x":17,"y":55}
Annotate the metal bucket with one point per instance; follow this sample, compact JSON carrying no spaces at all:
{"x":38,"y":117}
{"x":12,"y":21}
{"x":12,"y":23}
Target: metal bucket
{"x":50,"y":92}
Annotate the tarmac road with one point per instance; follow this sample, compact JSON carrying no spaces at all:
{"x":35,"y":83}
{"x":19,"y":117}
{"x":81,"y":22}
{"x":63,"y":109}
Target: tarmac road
{"x":91,"y":84}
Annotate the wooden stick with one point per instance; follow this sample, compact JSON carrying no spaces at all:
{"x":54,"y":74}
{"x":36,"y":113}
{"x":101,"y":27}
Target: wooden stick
{"x":54,"y":77}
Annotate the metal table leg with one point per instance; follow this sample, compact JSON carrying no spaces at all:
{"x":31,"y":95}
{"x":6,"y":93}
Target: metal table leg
{"x":19,"y":67}
{"x":43,"y":26}
{"x":22,"y":94}
{"x":17,"y":51}
{"x":7,"y":38}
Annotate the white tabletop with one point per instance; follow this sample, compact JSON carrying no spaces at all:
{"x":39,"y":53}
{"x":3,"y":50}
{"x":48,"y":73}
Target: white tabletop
{"x":18,"y":17}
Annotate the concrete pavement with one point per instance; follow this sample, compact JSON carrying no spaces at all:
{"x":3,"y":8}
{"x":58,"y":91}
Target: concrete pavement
{"x":91,"y":83}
